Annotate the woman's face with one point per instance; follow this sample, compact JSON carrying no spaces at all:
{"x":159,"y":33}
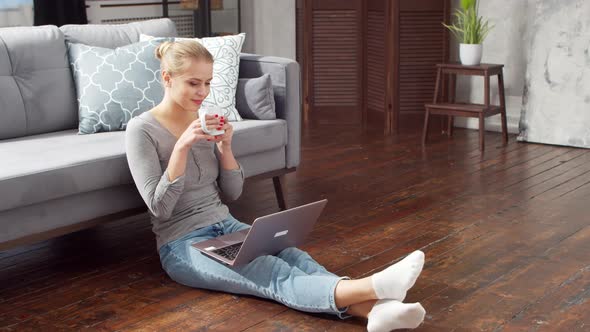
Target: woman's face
{"x":189,"y":88}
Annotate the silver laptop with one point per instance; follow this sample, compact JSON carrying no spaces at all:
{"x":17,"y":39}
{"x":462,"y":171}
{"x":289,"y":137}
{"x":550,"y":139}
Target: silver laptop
{"x":267,"y":236}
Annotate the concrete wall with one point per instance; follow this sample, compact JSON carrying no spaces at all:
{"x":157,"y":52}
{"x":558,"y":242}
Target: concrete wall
{"x":269,"y":26}
{"x":507,"y":44}
{"x":556,"y":102}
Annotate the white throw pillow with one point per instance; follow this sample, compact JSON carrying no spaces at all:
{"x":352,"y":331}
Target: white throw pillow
{"x":226,"y":54}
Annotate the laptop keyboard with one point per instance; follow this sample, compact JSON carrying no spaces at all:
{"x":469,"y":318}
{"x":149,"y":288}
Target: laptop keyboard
{"x":229,"y":252}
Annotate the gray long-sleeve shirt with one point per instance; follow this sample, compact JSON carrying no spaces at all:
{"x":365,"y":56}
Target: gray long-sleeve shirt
{"x":191,"y":201}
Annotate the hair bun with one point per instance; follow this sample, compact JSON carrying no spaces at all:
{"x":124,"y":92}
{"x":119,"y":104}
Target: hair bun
{"x":173,"y":55}
{"x":163,"y":48}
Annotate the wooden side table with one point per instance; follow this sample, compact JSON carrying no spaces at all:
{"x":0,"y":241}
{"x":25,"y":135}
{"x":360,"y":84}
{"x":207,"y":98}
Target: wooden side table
{"x":451,"y":109}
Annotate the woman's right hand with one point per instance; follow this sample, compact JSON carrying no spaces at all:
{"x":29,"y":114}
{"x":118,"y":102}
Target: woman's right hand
{"x":194,"y":132}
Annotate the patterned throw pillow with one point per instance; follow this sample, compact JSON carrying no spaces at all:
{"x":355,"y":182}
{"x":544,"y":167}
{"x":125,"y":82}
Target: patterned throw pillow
{"x":114,"y":85}
{"x":226,"y":54}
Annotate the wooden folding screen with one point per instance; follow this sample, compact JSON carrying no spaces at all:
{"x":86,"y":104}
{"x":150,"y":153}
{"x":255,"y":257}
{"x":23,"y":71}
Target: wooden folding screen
{"x":379,"y":65}
{"x":422,"y":43}
{"x":370,"y":60}
{"x":333,"y":58}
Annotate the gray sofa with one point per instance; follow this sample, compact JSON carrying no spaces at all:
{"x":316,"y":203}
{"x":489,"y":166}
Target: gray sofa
{"x":54,"y":181}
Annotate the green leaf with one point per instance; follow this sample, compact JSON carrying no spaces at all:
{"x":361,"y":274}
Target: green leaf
{"x":466,"y":4}
{"x":469,"y":27}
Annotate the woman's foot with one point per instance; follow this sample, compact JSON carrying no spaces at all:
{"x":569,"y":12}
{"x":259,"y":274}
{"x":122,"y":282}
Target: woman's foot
{"x":395,"y":281}
{"x":389,"y":315}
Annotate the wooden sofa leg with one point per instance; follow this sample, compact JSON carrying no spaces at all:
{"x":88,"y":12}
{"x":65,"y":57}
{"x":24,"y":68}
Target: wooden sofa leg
{"x":279,"y":192}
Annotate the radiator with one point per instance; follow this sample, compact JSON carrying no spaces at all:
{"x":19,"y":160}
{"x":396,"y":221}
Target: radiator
{"x":125,"y":11}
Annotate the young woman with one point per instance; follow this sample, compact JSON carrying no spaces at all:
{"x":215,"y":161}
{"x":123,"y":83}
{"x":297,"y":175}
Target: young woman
{"x":181,"y":179}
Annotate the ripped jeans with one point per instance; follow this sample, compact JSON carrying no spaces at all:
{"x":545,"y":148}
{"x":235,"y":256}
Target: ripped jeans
{"x":291,"y":277}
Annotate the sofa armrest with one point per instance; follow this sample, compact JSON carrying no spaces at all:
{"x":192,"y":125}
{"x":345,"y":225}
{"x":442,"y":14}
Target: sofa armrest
{"x":286,"y":81}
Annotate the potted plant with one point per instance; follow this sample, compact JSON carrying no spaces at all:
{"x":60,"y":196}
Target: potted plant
{"x":470,"y":30}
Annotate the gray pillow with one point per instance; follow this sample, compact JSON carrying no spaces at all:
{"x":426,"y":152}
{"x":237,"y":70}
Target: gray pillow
{"x":114,"y":85}
{"x":255,"y":98}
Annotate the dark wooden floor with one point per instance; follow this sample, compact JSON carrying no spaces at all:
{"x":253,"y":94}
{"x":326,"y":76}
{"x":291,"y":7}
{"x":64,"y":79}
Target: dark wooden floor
{"x":506,"y":236}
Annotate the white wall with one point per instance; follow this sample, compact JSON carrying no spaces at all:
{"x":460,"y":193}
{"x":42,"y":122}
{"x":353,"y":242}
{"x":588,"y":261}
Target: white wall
{"x":18,"y":15}
{"x":269,"y":26}
{"x":507,"y":44}
{"x":225,"y":20}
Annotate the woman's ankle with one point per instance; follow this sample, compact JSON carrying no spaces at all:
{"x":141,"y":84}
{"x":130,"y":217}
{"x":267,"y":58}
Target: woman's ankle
{"x":349,"y":292}
{"x":361,"y":310}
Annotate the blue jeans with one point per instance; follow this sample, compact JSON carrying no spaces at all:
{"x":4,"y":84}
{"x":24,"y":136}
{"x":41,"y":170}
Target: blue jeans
{"x":291,"y":277}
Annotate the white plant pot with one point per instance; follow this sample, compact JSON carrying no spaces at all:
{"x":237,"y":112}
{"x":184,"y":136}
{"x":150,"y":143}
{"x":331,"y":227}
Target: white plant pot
{"x":470,"y":54}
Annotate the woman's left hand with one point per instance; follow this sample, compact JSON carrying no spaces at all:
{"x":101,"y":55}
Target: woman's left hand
{"x":225,"y":139}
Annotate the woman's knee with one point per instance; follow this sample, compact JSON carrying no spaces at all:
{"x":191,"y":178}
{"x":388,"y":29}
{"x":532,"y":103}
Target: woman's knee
{"x":267,"y":271}
{"x":295,"y":256}
{"x":291,"y":253}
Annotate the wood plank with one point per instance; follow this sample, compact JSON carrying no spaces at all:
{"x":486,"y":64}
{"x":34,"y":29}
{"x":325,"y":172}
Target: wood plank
{"x":505,"y":228}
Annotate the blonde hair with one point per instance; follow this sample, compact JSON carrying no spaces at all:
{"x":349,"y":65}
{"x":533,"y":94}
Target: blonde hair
{"x":172,"y":54}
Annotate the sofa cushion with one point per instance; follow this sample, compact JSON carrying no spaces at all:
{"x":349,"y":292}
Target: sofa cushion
{"x":49,"y":166}
{"x":114,"y":85}
{"x":117,"y":35}
{"x":36,"y":88}
{"x":253,"y":136}
{"x":255,"y":98}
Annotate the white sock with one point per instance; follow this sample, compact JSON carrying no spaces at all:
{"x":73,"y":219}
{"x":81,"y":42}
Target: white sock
{"x":389,"y":315}
{"x":393,"y":282}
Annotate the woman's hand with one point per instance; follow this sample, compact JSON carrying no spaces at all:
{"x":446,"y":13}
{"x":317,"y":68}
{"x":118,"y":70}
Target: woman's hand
{"x":224,"y":141}
{"x":194,"y":132}
{"x":226,"y":155}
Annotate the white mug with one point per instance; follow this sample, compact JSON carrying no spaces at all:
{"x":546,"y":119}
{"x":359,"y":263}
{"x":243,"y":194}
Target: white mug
{"x":210,"y":110}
